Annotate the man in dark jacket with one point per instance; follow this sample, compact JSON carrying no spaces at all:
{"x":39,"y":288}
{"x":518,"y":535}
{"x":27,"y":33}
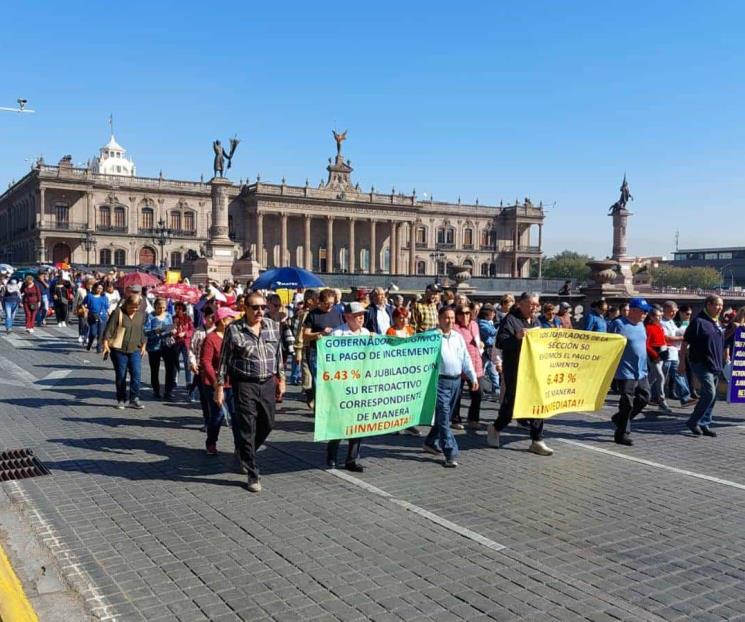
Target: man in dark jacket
{"x":510,"y":340}
{"x":703,"y":347}
{"x":379,"y":314}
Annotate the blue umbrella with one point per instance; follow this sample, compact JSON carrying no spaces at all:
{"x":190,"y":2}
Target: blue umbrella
{"x":286,"y":278}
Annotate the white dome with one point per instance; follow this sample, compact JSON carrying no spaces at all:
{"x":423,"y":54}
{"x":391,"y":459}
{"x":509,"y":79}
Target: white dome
{"x":112,"y":159}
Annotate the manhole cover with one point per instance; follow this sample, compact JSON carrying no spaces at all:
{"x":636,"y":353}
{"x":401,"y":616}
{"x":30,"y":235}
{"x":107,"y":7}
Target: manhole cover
{"x":20,"y":464}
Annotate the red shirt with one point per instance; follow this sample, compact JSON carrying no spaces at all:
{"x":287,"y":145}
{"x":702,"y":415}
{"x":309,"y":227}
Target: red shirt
{"x":209,"y":360}
{"x":655,"y":339}
{"x":184,"y":325}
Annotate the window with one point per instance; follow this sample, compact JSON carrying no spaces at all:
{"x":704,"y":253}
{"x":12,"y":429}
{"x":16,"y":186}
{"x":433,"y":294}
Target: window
{"x":445,"y":235}
{"x":485,"y":269}
{"x":147,"y":218}
{"x":421,"y":267}
{"x":468,"y":237}
{"x":120,"y":258}
{"x":104,"y":257}
{"x":710,"y":256}
{"x":119,"y":218}
{"x":440,"y":267}
{"x":62,"y":214}
{"x":725,"y":255}
{"x":175,"y":259}
{"x":421,"y":236}
{"x":104,"y":216}
{"x":176,"y":221}
{"x":189,"y":224}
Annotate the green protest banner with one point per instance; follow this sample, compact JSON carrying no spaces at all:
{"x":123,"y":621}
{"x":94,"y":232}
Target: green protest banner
{"x":375,"y":384}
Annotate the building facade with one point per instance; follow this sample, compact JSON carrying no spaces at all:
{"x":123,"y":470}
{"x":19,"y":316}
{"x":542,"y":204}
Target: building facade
{"x":105,"y":215}
{"x":728,"y":261}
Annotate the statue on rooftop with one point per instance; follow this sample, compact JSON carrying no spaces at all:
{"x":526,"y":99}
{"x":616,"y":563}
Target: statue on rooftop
{"x":339,"y":138}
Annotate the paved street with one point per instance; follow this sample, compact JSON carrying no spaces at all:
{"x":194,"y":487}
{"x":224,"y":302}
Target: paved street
{"x":146,"y":526}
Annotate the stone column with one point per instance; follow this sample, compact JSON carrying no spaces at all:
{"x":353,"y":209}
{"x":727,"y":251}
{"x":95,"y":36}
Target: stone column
{"x":330,"y":244}
{"x":540,"y":237}
{"x":308,"y":256}
{"x":516,"y":242}
{"x":260,"y":239}
{"x":373,"y":268}
{"x":283,"y":243}
{"x":40,"y":208}
{"x":90,"y":216}
{"x":412,"y":248}
{"x":393,"y":246}
{"x":351,"y":246}
{"x":219,"y":228}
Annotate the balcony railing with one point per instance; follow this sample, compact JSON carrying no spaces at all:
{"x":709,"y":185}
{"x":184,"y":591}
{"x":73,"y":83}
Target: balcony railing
{"x":176,"y":233}
{"x":111,"y":228}
{"x":64,"y":225}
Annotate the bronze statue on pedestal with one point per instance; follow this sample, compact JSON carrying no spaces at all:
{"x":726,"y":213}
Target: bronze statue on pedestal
{"x":221,"y":155}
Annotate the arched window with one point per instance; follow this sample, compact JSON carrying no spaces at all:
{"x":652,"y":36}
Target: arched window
{"x":104,"y":257}
{"x":492,"y":269}
{"x":120,"y":258}
{"x":104,"y":217}
{"x":421,"y":267}
{"x":468,"y":237}
{"x":386,"y":259}
{"x":147,"y":255}
{"x":120,"y":218}
{"x":147,"y":219}
{"x":344,"y":259}
{"x":446,"y":235}
{"x":448,"y":266}
{"x":469,"y":264}
{"x":485,"y":269}
{"x":364,"y":259}
{"x":61,"y":253}
{"x":175,"y":259}
{"x":421,"y":236}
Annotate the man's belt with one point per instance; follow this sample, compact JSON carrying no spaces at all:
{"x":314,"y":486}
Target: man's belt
{"x":449,"y":377}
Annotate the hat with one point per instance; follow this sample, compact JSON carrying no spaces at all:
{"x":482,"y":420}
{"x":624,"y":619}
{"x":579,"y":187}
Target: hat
{"x":487,"y":307}
{"x":224,"y":312}
{"x":354,"y":308}
{"x":565,"y":305}
{"x":640,"y":303}
{"x":434,"y":287}
{"x":135,"y":289}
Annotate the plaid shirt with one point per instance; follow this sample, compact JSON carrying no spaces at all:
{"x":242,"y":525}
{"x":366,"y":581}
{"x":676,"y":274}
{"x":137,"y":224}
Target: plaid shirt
{"x":425,"y":316}
{"x":245,"y":356}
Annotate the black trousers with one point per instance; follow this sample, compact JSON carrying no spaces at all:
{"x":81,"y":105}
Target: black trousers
{"x":474,"y":408}
{"x":353,"y":451}
{"x":255,"y":404}
{"x":170,"y":362}
{"x":634,"y":397}
{"x":507,"y":407}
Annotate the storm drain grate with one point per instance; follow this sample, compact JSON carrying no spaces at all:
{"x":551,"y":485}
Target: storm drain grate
{"x":20,"y":464}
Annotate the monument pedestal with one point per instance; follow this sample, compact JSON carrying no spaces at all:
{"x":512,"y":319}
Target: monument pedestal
{"x":245,"y":270}
{"x":625,"y":279}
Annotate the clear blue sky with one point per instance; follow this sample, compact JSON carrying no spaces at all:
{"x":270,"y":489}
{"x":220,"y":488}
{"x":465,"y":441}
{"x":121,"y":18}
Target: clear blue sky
{"x":495,"y":100}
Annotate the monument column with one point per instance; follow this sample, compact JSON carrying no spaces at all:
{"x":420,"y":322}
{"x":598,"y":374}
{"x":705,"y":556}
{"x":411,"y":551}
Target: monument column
{"x":308,"y":256}
{"x":372,"y":267}
{"x":412,"y":248}
{"x":351,"y":246}
{"x":260,"y":237}
{"x":283,"y":244}
{"x":330,"y":244}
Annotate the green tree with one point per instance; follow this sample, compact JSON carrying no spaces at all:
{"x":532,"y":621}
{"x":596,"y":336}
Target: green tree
{"x":565,"y":265}
{"x":692,"y":278}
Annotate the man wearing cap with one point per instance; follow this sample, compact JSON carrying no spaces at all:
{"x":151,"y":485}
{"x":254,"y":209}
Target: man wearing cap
{"x":565,"y":317}
{"x":354,"y":318}
{"x":424,"y":316}
{"x":251,"y":357}
{"x":631,"y":375}
{"x":379,"y":315}
{"x":703,"y":347}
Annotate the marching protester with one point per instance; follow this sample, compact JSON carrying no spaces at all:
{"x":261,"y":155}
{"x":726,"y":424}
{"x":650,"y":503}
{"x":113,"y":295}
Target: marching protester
{"x":424,"y":316}
{"x":674,"y":338}
{"x":657,"y":355}
{"x":505,"y":305}
{"x":595,"y":319}
{"x":509,"y":339}
{"x":61,"y":298}
{"x":42,"y":282}
{"x":96,"y":307}
{"x":161,"y":345}
{"x":11,"y":301}
{"x":469,"y":330}
{"x":124,"y":340}
{"x":251,"y":358}
{"x":453,"y":364}
{"x":80,"y":293}
{"x":379,"y":315}
{"x":319,"y":322}
{"x":490,"y":359}
{"x":354,"y":319}
{"x":209,"y":361}
{"x":564,"y":315}
{"x":631,"y":374}
{"x":183,"y":332}
{"x":195,"y":352}
{"x":549,"y":319}
{"x":112,"y":295}
{"x":401,"y":326}
{"x":704,"y":346}
{"x":31,"y":296}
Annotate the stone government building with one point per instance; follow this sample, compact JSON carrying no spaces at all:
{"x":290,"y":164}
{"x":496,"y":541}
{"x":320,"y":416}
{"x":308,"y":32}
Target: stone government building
{"x":333,"y":228}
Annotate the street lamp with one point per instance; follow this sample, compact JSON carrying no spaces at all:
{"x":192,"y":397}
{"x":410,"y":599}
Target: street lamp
{"x":437,"y":256}
{"x":161,"y":236}
{"x":89,"y":243}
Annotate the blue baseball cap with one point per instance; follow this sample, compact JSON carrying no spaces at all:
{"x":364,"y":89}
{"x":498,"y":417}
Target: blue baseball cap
{"x":640,"y":303}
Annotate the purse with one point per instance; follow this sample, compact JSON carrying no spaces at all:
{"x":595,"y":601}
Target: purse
{"x":168,"y":341}
{"x":118,"y":340}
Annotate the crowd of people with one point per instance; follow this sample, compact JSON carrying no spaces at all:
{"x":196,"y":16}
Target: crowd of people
{"x":232,"y":348}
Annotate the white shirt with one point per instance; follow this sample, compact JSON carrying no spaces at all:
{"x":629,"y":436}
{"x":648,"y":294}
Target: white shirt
{"x":671,"y":330}
{"x":454,"y":357}
{"x":384,"y":320}
{"x":344,"y":330}
{"x":113,"y":298}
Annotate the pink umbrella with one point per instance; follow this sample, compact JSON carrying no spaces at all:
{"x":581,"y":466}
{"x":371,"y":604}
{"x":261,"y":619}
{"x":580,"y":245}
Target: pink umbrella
{"x":180,"y":292}
{"x":138,"y":278}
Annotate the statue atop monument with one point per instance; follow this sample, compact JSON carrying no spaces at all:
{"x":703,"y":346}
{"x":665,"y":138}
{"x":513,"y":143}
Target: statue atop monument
{"x":339,"y":138}
{"x":623,"y":200}
{"x":221,"y":155}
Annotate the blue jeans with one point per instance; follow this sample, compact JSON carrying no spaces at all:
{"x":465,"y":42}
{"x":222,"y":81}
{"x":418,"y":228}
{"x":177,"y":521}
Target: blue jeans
{"x":96,"y":326}
{"x":295,"y":372}
{"x":123,"y":363}
{"x":218,"y":413}
{"x":491,"y":373}
{"x":183,"y":354}
{"x":312,"y":365}
{"x":83,"y":328}
{"x":10,"y":307}
{"x":702,"y":413}
{"x":441,"y":436}
{"x":677,"y":383}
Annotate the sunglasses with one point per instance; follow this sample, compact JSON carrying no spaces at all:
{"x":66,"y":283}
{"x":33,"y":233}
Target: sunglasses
{"x":258,"y":307}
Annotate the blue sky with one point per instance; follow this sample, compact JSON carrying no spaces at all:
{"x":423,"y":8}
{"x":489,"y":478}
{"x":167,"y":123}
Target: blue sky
{"x":495,"y":100}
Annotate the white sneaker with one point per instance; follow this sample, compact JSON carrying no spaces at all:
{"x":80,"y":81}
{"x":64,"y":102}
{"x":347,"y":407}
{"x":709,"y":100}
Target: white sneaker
{"x":80,"y":339}
{"x":450,"y":464}
{"x":540,"y":448}
{"x":492,"y":436}
{"x":31,"y":330}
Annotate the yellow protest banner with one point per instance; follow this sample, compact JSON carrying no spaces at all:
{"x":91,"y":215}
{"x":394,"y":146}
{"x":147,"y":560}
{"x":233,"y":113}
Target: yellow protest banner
{"x":173,"y":277}
{"x":564,"y":370}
